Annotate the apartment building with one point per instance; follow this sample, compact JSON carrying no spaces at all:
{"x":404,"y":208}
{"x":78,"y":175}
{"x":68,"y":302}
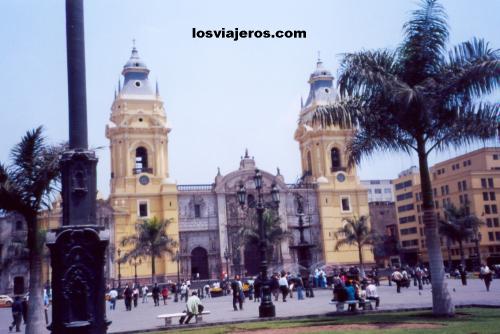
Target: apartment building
{"x":472,"y":181}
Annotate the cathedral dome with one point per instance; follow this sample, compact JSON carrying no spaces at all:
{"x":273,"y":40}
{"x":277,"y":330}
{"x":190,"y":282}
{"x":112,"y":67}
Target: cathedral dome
{"x":135,"y":63}
{"x":136,"y":78}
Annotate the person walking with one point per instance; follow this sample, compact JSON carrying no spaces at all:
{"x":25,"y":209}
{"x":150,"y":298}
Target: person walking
{"x":397,"y":277}
{"x":207,"y":291}
{"x":257,"y":285}
{"x":145,"y":291}
{"x":283,"y":283}
{"x":418,"y":275}
{"x":164,"y":294}
{"x":463,"y":274}
{"x":113,"y":294}
{"x":299,"y":284}
{"x":127,"y":296}
{"x":156,"y":294}
{"x":135,"y":295}
{"x":193,"y":308}
{"x":237,"y":288}
{"x":184,"y":291}
{"x":486,"y":275}
{"x":17,"y":314}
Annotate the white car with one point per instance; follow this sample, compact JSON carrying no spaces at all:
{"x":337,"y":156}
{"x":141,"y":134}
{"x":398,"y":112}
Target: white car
{"x":5,"y":301}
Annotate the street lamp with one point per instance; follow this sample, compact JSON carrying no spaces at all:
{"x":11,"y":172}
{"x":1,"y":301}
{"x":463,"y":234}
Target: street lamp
{"x":119,"y":251}
{"x":227,"y":255}
{"x":266,"y":308}
{"x":177,"y":259}
{"x":477,"y":239}
{"x":135,"y":262}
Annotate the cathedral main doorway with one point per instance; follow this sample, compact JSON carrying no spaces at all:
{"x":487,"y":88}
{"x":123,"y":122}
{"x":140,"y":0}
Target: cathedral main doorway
{"x":252,"y":259}
{"x":199,"y":263}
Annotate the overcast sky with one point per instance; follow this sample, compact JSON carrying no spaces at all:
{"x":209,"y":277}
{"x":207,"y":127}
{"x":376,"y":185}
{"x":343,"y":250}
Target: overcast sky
{"x":220,"y":96}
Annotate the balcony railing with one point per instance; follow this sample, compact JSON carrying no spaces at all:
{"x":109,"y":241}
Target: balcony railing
{"x":195,"y":187}
{"x":142,"y":170}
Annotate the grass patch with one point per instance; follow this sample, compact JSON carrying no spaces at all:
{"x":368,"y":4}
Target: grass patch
{"x":466,"y":321}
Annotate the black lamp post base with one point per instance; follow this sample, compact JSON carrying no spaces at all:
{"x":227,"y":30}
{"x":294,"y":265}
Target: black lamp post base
{"x":267,"y":311}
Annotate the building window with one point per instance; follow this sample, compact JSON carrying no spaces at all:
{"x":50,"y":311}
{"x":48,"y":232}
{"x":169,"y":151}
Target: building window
{"x":494,"y":209}
{"x":495,"y":156}
{"x":497,"y":236}
{"x":493,"y":197}
{"x":378,"y":191}
{"x":485,"y":196}
{"x":487,"y":209}
{"x":335,"y":156}
{"x":404,"y":220}
{"x":495,"y":222}
{"x":402,"y":185}
{"x":459,"y":184}
{"x":464,"y":185}
{"x":483,"y":183}
{"x":489,"y":222}
{"x":346,"y":206}
{"x":19,"y":225}
{"x":407,"y":207}
{"x":406,"y":231}
{"x":387,"y":190}
{"x":490,"y":236}
{"x":404,"y":196}
{"x":309,"y":162}
{"x":466,"y":199}
{"x":143,"y":209}
{"x":490,"y":183}
{"x":197,"y":211}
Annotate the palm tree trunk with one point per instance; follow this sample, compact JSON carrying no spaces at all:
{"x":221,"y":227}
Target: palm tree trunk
{"x":462,"y":256}
{"x":442,"y":304}
{"x":361,"y":268}
{"x":36,"y":318}
{"x":153,"y":269}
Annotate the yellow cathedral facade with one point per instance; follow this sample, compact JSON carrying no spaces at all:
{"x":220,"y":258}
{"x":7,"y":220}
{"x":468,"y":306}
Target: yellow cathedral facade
{"x":206,"y":219}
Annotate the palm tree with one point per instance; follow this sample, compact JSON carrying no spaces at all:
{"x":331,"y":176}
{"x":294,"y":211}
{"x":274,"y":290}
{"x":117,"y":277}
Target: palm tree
{"x":418,"y":99}
{"x":273,"y":231}
{"x":458,"y":227}
{"x":355,"y":232}
{"x":25,"y":188}
{"x":151,"y":240}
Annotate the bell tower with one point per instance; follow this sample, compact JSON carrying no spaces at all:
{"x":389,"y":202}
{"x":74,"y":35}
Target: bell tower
{"x":140,"y":185}
{"x":324,"y":162}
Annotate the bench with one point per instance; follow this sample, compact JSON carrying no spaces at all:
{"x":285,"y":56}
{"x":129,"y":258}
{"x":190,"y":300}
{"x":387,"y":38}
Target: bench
{"x":168,"y":316}
{"x":364,"y":304}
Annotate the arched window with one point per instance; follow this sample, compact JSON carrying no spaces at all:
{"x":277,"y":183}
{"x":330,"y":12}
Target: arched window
{"x":335,"y":156}
{"x":141,"y":161}
{"x":309,"y":162}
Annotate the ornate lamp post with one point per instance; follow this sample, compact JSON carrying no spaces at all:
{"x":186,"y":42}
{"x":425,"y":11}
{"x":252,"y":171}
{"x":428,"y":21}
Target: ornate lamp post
{"x":78,"y":248}
{"x":266,"y":308}
{"x":227,"y":255}
{"x":119,"y":251}
{"x":177,"y":259}
{"x":477,"y":240}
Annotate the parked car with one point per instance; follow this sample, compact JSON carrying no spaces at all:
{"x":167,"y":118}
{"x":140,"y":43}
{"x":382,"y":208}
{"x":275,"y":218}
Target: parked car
{"x":5,"y":301}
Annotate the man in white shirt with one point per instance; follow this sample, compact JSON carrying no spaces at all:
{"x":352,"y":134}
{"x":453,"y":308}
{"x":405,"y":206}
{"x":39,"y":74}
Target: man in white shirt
{"x":283,"y":282}
{"x":193,"y":306}
{"x":486,"y":275}
{"x":113,"y":294}
{"x":372,"y":294}
{"x":145,"y":291}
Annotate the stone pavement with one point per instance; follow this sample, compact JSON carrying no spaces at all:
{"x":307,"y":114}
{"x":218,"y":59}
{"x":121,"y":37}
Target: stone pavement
{"x":144,"y":316}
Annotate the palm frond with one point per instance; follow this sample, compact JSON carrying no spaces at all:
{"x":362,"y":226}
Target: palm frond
{"x":426,"y":34}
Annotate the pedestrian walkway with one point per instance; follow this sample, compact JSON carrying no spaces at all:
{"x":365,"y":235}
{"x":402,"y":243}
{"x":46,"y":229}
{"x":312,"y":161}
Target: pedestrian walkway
{"x":221,"y":308}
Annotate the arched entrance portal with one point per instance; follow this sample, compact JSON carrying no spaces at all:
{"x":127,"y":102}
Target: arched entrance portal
{"x":199,"y":263}
{"x":252,"y":259}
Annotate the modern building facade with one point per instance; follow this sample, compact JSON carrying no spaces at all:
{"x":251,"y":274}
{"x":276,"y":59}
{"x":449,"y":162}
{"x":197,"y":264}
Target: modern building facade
{"x":379,"y":190}
{"x":471,"y":181}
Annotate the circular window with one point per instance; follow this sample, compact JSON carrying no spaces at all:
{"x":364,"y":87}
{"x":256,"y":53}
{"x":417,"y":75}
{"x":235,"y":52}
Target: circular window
{"x":138,"y":84}
{"x":140,"y":119}
{"x":341,"y":177}
{"x":136,"y":64}
{"x":327,"y":90}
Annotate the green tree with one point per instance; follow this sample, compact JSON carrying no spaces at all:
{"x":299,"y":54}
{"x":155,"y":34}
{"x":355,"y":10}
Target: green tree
{"x":355,"y":232}
{"x":459,"y":226}
{"x":150,"y":240}
{"x":418,"y":99}
{"x":274,"y":233}
{"x":25,"y":187}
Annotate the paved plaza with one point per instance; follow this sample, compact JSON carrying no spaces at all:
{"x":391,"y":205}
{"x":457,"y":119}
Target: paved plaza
{"x":144,"y":316}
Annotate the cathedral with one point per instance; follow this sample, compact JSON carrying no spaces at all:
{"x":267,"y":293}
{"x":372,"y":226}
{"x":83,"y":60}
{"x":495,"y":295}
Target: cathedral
{"x":206,"y":219}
